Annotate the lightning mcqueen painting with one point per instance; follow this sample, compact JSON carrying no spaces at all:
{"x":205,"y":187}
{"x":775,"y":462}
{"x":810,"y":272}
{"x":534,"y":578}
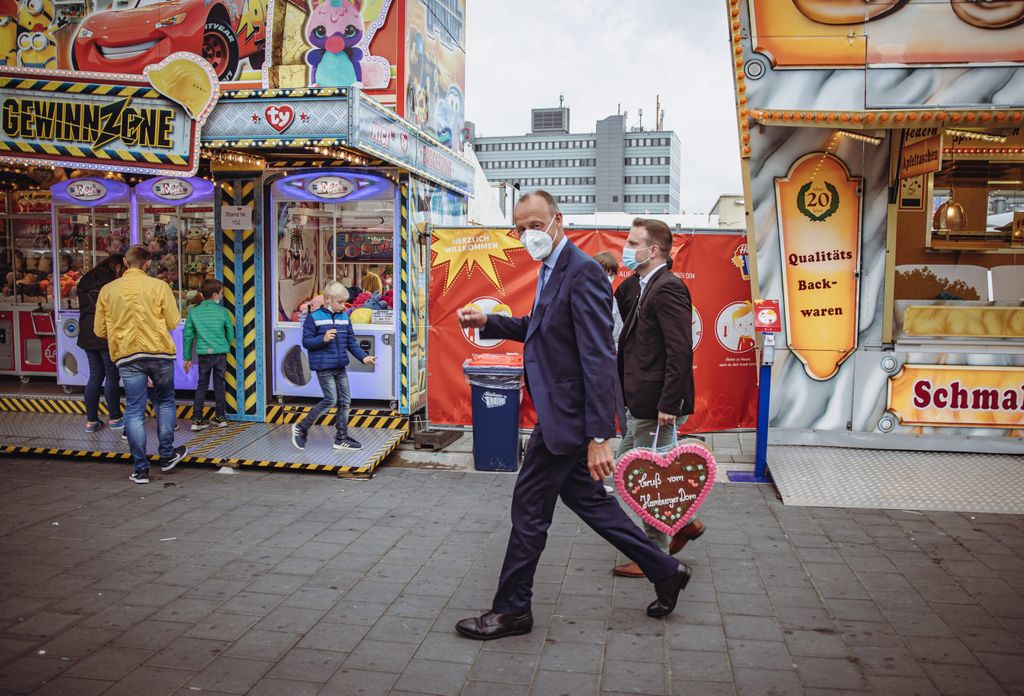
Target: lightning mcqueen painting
{"x":132,"y":35}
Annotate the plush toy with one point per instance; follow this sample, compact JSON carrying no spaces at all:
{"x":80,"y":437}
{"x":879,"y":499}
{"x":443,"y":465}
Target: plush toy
{"x":196,"y":274}
{"x":310,"y":305}
{"x":208,"y":244}
{"x":194,"y":243}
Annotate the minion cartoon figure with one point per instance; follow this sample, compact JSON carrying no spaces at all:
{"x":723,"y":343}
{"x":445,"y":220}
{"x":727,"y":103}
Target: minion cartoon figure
{"x":37,"y":50}
{"x":36,"y":46}
{"x":8,"y":40}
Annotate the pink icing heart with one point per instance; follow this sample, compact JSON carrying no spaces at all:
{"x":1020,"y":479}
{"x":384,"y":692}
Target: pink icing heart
{"x":660,"y":489}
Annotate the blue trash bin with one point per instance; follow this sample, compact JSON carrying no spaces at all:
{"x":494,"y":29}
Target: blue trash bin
{"x":495,"y":391}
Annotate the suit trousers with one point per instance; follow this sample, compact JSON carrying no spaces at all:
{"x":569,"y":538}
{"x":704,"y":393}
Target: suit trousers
{"x":640,"y":435}
{"x":543,"y":479}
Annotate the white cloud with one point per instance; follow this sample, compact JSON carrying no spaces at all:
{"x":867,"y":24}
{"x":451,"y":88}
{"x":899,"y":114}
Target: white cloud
{"x":603,"y":53}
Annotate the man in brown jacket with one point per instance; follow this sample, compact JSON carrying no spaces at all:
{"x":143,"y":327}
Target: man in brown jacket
{"x":655,"y":357}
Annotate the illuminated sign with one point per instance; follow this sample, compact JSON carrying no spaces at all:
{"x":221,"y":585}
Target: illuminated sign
{"x":172,"y":189}
{"x":146,"y":124}
{"x":962,"y":395}
{"x":330,"y":187}
{"x":86,"y":190}
{"x":380,"y":132}
{"x":819,"y":221}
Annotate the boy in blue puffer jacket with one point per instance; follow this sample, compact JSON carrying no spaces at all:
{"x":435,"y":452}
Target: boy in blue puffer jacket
{"x":328,"y":337}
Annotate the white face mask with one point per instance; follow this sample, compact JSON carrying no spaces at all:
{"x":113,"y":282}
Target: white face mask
{"x":538,"y":243}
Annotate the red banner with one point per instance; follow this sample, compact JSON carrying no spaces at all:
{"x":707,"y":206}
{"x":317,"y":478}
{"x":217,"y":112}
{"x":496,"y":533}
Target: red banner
{"x":489,"y":268}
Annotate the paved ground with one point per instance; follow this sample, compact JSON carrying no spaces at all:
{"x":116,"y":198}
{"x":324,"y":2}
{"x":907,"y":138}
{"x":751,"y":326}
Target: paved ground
{"x":292,"y":584}
{"x":733,"y":450}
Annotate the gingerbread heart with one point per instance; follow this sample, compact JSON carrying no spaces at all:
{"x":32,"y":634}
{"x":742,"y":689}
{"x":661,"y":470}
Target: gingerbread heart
{"x":666,"y":490}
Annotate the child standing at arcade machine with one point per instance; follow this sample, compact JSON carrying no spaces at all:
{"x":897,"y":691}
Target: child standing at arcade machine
{"x":328,"y":337}
{"x":211,"y":329}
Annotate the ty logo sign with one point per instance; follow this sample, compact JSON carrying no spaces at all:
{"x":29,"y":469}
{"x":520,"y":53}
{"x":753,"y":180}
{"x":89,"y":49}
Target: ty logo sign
{"x":280,"y":117}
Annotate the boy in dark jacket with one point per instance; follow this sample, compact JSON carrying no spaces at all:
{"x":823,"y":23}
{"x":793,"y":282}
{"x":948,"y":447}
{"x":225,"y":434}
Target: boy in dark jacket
{"x":328,"y":337}
{"x":212,"y":329}
{"x":103,"y":372}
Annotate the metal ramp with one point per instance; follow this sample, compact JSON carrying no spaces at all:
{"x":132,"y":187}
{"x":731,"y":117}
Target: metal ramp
{"x":53,"y":427}
{"x":896,"y":479}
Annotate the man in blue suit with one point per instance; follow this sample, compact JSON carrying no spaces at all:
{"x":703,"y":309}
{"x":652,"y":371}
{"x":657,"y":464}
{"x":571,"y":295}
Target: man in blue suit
{"x":572,"y":378}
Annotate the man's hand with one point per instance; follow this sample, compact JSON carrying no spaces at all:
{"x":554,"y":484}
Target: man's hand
{"x":666,"y":419}
{"x":471,"y":318}
{"x":369,"y":360}
{"x":329,"y":336}
{"x":186,"y":366}
{"x":599,"y":460}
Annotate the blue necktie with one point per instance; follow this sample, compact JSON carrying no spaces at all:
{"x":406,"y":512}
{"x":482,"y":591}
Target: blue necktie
{"x":542,"y":278}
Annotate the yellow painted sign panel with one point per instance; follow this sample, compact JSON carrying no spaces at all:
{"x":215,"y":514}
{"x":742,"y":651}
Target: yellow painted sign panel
{"x":921,"y":157}
{"x":819,"y":229}
{"x":985,"y":397}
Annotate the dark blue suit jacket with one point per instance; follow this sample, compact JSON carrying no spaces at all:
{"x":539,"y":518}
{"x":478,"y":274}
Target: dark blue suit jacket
{"x":569,"y":354}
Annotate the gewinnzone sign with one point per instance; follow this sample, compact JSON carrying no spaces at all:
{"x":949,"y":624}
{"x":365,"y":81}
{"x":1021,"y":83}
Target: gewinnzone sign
{"x":121,"y":124}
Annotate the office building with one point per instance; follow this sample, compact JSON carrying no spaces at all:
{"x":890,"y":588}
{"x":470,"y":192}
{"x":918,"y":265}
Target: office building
{"x":609,"y":170}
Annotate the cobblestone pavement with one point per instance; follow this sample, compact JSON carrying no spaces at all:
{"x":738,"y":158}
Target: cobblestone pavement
{"x":293,"y":584}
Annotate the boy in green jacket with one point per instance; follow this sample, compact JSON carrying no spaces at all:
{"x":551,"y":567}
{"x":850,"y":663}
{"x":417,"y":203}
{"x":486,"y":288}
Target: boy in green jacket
{"x":212,"y":329}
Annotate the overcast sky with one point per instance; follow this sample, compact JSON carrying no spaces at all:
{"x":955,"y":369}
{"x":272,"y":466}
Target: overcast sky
{"x":602,"y":53}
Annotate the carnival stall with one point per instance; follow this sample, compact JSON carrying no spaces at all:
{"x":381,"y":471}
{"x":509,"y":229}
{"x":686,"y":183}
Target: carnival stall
{"x":278,"y":167}
{"x":27,"y":340}
{"x":884,"y":183}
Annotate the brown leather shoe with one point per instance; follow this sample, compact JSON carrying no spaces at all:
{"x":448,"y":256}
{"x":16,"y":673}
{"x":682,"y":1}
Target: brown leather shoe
{"x":688,"y":533}
{"x":628,"y":570}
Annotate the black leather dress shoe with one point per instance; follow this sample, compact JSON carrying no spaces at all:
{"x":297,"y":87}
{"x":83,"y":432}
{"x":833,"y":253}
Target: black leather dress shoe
{"x":493,"y":625}
{"x":667,"y":592}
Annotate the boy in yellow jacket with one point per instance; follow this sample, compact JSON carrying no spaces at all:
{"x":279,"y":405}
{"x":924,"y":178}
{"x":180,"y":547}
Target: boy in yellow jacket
{"x":135,"y":313}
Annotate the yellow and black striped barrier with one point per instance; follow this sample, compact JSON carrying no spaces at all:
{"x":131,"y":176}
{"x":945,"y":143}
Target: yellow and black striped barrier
{"x":287,"y":414}
{"x":357,"y":417}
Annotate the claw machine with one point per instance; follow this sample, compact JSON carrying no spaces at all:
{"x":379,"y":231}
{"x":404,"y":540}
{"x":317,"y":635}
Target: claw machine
{"x":27,"y":340}
{"x":334,"y":225}
{"x":175,"y":220}
{"x":90,"y":219}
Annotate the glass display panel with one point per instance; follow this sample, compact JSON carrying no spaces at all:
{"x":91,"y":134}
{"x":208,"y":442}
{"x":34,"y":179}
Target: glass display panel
{"x":959,"y":272}
{"x":176,"y":223}
{"x":30,"y":274}
{"x":333,"y":227}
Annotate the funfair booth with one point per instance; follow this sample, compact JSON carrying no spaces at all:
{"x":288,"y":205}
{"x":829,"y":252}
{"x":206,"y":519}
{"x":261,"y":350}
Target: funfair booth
{"x":276,"y":187}
{"x":883,"y":164}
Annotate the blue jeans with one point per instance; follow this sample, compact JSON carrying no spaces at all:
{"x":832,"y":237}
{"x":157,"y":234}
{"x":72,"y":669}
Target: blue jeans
{"x":217,"y":366}
{"x":103,"y":374}
{"x":135,"y":376}
{"x":334,"y":385}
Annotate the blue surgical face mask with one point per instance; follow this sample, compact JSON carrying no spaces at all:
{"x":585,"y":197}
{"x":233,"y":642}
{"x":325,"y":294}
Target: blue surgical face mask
{"x":629,"y":258}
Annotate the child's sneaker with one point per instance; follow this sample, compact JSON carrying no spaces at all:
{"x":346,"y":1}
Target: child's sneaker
{"x":219,"y":422}
{"x":346,"y":443}
{"x":298,"y":437}
{"x":200,"y":424}
{"x":172,"y":461}
{"x":116,"y":424}
{"x":94,"y":427}
{"x":139,"y":478}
